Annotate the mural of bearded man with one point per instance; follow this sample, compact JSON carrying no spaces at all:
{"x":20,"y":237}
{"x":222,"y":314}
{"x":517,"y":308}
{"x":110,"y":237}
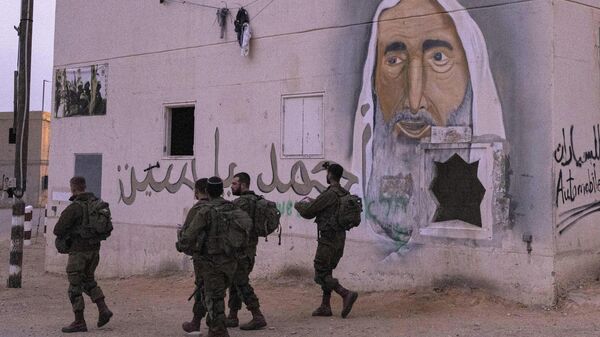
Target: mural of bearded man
{"x":427,"y":66}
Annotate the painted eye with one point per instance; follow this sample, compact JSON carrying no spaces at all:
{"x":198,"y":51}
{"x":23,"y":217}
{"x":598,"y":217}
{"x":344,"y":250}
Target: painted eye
{"x":393,"y":60}
{"x":439,"y":62}
{"x":440,"y":57}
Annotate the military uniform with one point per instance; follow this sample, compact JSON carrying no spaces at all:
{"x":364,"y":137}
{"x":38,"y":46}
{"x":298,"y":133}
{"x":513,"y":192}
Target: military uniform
{"x":215,"y":266}
{"x":241,"y":288}
{"x":330,"y":248}
{"x":199,"y":308}
{"x":84,"y":255}
{"x":331,"y":238}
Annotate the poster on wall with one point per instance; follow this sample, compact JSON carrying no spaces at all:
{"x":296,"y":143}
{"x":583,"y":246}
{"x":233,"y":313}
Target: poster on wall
{"x":80,"y":91}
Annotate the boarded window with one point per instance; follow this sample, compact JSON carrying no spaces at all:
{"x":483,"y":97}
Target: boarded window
{"x":180,"y":131}
{"x":302,"y":126}
{"x":458,"y":191}
{"x":44,"y":182}
{"x":89,"y":166}
{"x":12,"y":136}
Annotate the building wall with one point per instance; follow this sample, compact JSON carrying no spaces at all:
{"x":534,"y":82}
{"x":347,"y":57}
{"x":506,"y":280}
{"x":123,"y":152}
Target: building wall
{"x":172,"y":54}
{"x":37,"y":157}
{"x":575,"y":174}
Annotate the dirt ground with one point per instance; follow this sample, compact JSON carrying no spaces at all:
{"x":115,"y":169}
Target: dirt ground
{"x":156,"y":306}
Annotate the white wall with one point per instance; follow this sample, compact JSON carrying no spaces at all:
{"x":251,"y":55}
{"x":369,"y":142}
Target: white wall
{"x":161,"y":54}
{"x":576,"y":101}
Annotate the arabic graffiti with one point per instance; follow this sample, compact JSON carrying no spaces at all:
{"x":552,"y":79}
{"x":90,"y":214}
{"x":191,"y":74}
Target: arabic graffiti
{"x":286,"y":208}
{"x":305,"y":186}
{"x":302,"y":187}
{"x":156,"y":186}
{"x":571,"y":188}
{"x":565,"y":153}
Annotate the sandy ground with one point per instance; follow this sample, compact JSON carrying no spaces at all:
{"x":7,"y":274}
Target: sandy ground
{"x":156,"y":306}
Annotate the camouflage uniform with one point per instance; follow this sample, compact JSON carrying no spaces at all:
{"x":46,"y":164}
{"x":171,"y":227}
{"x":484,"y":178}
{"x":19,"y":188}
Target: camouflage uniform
{"x":241,"y":288}
{"x":84,"y":255}
{"x":332,"y":239}
{"x":199,"y":308}
{"x":215,"y":267}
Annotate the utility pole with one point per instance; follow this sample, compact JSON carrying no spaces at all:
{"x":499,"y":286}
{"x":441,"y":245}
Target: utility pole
{"x":22,"y":133}
{"x":15,"y":101}
{"x":44,"y":93}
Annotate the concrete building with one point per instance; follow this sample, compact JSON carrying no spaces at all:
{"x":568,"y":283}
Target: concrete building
{"x":470,"y":129}
{"x":37,"y":159}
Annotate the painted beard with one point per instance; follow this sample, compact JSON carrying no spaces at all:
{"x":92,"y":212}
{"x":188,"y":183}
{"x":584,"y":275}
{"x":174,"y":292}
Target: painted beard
{"x":393,"y":186}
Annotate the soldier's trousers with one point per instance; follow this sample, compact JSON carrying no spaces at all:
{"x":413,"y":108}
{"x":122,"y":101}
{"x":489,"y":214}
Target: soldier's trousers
{"x":80,"y":272}
{"x":329,"y":252}
{"x":217,"y":275}
{"x":199,"y":308}
{"x":241,"y":290}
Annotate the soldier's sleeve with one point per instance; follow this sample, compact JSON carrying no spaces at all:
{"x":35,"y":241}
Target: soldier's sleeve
{"x":190,"y":233}
{"x":188,"y":218}
{"x":311,"y":209}
{"x":68,"y":219}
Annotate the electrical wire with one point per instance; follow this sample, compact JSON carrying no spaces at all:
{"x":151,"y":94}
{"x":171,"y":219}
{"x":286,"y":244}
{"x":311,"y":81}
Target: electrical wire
{"x":249,"y":4}
{"x":257,"y":14}
{"x":186,"y":2}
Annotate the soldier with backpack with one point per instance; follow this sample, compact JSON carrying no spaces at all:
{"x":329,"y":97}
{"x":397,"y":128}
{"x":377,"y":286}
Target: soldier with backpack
{"x":335,"y":211}
{"x":79,"y":231}
{"x":241,"y":289}
{"x":219,"y":232}
{"x":199,"y":308}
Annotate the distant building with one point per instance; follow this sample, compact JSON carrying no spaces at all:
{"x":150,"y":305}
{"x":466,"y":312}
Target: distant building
{"x":37,"y":159}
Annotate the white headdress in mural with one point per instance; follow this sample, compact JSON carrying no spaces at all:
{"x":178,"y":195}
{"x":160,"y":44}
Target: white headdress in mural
{"x":486,"y":108}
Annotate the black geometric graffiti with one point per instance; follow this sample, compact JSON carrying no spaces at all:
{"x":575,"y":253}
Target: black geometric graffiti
{"x":458,"y":191}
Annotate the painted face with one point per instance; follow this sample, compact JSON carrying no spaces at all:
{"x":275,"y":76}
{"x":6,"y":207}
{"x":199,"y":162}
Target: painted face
{"x":421,"y":71}
{"x":236,"y":186}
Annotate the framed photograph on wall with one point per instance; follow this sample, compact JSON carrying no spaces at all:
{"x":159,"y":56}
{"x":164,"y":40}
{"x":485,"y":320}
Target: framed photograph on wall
{"x":80,"y":91}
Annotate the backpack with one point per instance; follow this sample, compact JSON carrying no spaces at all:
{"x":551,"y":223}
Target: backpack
{"x":233,"y":228}
{"x":349,"y":210}
{"x":266,"y":218}
{"x":97,"y":221}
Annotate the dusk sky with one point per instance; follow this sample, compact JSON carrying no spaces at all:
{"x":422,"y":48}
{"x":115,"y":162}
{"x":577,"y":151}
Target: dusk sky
{"x":41,"y":55}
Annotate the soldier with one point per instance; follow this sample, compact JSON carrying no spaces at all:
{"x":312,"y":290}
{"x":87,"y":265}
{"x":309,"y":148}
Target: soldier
{"x":218,"y":250}
{"x":84,"y":255}
{"x":331,"y":240}
{"x":241,"y":288}
{"x":199,"y":308}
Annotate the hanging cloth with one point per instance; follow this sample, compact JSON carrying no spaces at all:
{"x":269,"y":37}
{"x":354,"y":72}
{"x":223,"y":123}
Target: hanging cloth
{"x":246,"y":35}
{"x":222,"y":14}
{"x":241,"y":18}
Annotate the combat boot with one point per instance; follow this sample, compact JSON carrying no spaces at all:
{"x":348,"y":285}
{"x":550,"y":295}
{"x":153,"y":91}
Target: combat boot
{"x":232,"y":320}
{"x":349,"y":297}
{"x":78,"y":325}
{"x":258,"y":321}
{"x":325,"y":309}
{"x":218,"y":333}
{"x":193,"y":325}
{"x":104,"y":314}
